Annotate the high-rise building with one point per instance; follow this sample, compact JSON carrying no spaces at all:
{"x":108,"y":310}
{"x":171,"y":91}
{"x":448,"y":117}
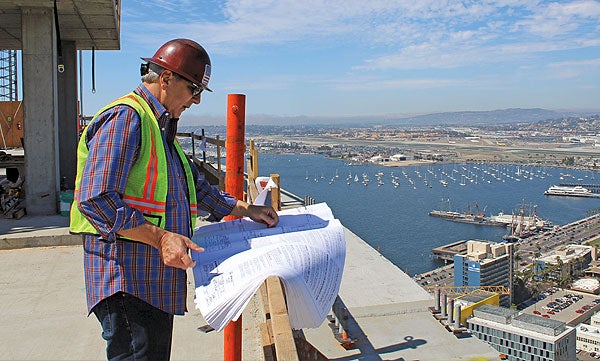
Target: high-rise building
{"x":485,"y":264}
{"x":522,"y":336}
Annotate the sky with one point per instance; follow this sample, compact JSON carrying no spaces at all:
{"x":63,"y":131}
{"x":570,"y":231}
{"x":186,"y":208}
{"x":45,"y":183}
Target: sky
{"x":342,"y":58}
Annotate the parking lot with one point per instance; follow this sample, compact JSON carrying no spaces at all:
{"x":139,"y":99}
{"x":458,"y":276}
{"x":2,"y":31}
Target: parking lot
{"x":568,"y":306}
{"x":439,"y":277}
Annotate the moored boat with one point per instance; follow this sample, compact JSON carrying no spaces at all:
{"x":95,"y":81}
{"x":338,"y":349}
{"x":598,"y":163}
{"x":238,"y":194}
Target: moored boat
{"x":570,"y":191}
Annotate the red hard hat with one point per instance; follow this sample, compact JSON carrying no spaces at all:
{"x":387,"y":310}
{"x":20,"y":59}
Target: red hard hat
{"x":186,"y":58}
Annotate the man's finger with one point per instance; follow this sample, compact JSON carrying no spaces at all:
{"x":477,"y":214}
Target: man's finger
{"x":187,"y":261}
{"x":194,"y":246}
{"x":271,"y":218}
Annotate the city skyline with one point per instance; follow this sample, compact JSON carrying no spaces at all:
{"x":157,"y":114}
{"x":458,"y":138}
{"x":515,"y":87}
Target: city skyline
{"x":340,"y":59}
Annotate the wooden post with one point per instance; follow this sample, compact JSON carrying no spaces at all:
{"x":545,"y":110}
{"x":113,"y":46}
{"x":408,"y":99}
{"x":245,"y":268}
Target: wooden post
{"x":252,"y":170}
{"x":275,"y":193}
{"x":221,"y":185}
{"x":234,"y":185}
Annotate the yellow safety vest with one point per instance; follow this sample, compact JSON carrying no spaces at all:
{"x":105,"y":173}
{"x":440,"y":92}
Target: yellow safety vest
{"x":147,"y":183}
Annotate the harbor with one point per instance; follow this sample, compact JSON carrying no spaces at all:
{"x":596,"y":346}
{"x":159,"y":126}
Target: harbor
{"x":398,"y":222}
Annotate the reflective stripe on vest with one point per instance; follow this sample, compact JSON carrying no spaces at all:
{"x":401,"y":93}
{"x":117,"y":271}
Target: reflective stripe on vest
{"x":147,"y":184}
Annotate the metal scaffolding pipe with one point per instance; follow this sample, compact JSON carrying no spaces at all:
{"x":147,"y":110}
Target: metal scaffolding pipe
{"x":234,"y":185}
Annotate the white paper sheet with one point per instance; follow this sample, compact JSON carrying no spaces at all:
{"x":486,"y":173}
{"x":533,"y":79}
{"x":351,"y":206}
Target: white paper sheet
{"x":306,"y":250}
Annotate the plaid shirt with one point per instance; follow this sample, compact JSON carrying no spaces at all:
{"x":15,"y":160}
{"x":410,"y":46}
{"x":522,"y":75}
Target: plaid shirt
{"x":113,"y":264}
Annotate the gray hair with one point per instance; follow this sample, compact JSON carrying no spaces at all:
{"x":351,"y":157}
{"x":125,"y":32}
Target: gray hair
{"x":153,"y":74}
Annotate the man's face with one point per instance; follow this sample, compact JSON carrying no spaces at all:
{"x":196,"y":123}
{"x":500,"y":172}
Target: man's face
{"x":179,"y":93}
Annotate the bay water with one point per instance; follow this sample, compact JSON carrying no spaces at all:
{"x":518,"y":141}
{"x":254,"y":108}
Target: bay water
{"x":391,"y":212}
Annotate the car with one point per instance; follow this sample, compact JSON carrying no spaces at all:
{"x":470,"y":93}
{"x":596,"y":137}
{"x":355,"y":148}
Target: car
{"x":580,"y":311}
{"x":536,"y":312}
{"x":546,"y":316}
{"x":550,"y":312}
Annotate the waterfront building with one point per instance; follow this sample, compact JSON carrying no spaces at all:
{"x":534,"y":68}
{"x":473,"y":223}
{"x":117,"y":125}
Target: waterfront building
{"x":485,"y":264}
{"x":566,"y":263}
{"x":398,"y":158}
{"x":380,"y":159}
{"x":521,"y":336}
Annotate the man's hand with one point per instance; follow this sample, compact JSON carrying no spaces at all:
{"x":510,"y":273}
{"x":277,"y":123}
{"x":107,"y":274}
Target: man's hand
{"x":173,"y":249}
{"x":261,"y":214}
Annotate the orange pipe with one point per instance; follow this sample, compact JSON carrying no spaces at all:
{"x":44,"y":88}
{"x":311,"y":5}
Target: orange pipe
{"x":234,"y":185}
{"x":235,"y":146}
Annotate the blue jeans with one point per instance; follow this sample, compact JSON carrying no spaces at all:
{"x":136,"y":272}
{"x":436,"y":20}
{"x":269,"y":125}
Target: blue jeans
{"x":134,"y":329}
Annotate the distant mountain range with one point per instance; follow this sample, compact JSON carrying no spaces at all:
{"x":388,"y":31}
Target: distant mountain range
{"x":462,"y":118}
{"x":506,"y":116}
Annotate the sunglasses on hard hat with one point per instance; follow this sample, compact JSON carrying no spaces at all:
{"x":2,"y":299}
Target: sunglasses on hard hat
{"x":193,"y":87}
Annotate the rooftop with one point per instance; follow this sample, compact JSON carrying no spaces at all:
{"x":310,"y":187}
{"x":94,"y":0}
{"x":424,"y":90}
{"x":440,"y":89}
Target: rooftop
{"x":43,"y":298}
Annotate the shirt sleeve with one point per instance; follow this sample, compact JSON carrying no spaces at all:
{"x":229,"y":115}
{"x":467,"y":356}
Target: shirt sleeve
{"x":210,"y":199}
{"x":113,"y":140}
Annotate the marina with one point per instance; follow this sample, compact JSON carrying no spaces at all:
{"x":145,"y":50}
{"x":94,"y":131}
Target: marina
{"x":394,"y":217}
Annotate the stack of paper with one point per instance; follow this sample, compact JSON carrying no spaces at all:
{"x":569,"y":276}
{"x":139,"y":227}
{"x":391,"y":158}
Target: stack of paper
{"x":306,"y":250}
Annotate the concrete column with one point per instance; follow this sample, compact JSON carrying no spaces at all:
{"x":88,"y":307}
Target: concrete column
{"x":40,"y":111}
{"x":450,"y":310}
{"x":444,"y":306}
{"x":67,"y":114}
{"x":457,"y":315}
{"x":437,"y":299}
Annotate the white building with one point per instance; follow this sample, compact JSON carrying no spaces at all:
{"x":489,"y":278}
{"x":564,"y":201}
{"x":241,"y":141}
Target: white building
{"x":523,"y":336}
{"x":398,"y":157}
{"x":379,"y":159}
{"x":588,"y":337}
{"x":572,"y":260}
{"x":595,"y":319}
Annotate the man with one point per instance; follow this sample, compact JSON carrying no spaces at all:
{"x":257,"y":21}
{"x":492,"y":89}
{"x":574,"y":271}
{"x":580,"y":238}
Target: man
{"x":136,"y":202}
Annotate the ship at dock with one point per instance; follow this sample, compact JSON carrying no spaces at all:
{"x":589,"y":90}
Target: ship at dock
{"x":521,"y":224}
{"x":571,"y":191}
{"x":467,"y":216}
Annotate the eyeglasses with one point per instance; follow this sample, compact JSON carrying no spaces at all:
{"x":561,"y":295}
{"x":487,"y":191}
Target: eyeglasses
{"x":193,"y":87}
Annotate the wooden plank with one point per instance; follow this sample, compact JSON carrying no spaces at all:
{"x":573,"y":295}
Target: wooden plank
{"x":276,"y":193}
{"x":267,"y":341}
{"x":285,"y":347}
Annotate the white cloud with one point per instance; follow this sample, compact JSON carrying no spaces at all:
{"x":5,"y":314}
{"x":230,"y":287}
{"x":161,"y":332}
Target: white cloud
{"x":395,"y":35}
